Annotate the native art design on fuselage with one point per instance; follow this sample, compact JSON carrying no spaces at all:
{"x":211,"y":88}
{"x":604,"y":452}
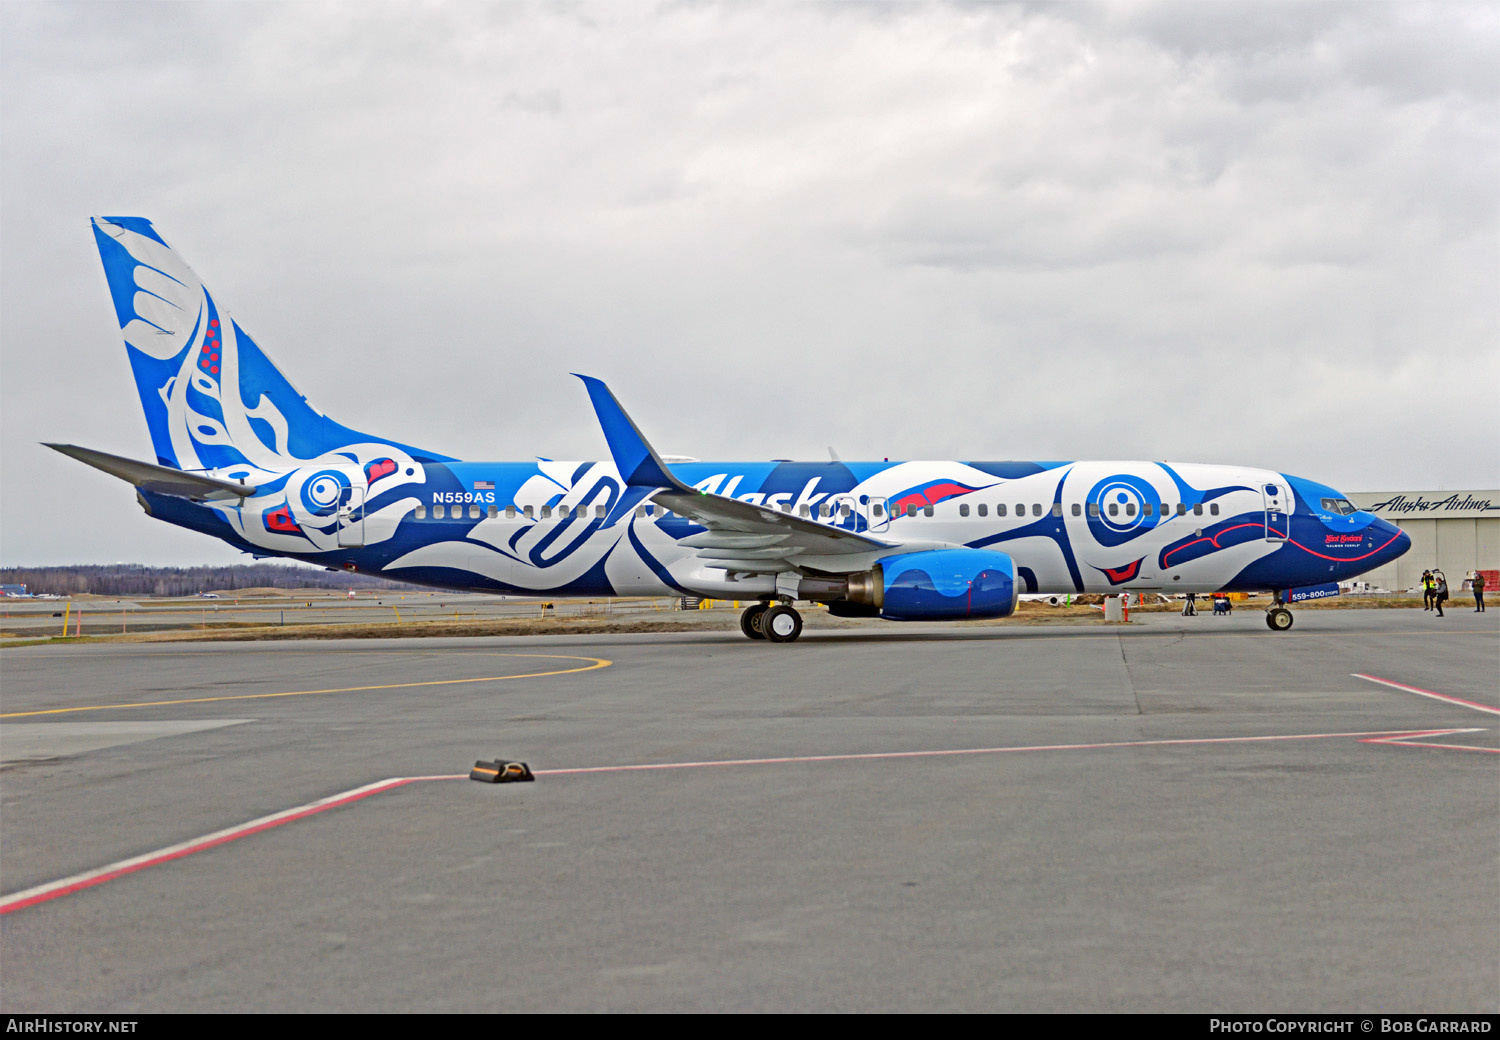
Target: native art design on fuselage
{"x":569,"y":527}
{"x":958,"y":536}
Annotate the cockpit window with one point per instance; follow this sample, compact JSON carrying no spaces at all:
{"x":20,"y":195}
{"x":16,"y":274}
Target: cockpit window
{"x":1341,"y":506}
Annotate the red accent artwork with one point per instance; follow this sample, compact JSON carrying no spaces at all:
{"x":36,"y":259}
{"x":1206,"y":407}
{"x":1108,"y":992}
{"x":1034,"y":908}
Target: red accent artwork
{"x":281,"y":520}
{"x":1125,"y":573}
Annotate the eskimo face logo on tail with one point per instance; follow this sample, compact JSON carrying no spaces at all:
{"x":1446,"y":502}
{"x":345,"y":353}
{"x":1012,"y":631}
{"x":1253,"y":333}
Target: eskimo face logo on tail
{"x":1120,"y":511}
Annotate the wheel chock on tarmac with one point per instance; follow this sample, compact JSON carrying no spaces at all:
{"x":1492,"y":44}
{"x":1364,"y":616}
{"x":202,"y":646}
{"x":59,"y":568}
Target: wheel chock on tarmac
{"x":501,"y":772}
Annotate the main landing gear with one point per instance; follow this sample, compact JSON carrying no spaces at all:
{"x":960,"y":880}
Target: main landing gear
{"x":1278,"y":619}
{"x":774,"y":622}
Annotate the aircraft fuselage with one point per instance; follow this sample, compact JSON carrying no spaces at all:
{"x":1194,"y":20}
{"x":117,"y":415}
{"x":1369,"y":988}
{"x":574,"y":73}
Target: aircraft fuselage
{"x":572,"y":528}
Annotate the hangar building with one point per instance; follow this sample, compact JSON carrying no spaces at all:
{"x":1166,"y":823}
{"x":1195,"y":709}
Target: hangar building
{"x":1458,"y":531}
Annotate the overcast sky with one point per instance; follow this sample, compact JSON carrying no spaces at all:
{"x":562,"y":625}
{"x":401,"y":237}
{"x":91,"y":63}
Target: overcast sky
{"x":1260,"y":233}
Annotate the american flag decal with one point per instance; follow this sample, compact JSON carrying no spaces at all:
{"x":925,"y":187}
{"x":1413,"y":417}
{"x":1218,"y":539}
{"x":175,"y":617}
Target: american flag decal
{"x":484,"y":485}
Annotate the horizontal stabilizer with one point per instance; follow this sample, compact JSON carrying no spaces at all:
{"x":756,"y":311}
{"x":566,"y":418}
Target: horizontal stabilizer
{"x":150,"y":477}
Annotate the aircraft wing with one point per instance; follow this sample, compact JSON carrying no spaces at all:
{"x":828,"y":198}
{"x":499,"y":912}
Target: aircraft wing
{"x":741,"y":536}
{"x":151,"y":477}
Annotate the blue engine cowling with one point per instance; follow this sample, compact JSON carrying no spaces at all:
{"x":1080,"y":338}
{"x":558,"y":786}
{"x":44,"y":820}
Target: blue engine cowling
{"x":947,"y":584}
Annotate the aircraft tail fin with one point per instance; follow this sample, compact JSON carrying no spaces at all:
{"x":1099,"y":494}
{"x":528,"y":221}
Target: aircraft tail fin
{"x":212,"y":398}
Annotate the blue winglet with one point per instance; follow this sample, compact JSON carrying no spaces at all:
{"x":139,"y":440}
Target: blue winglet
{"x":637,"y":461}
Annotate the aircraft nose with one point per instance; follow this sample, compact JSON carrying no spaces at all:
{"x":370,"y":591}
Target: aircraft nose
{"x":1397,"y":545}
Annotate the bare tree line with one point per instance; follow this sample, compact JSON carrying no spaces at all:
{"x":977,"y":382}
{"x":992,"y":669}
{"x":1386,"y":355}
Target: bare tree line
{"x":133,"y":579}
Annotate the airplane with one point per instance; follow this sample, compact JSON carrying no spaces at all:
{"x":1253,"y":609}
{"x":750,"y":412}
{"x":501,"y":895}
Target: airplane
{"x":242,"y":456}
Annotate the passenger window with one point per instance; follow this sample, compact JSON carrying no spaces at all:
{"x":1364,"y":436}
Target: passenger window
{"x":438,"y":512}
{"x":562,"y":511}
{"x":1020,"y":510}
{"x":600,"y":512}
{"x":845,"y":510}
{"x":473,"y":512}
{"x":420,"y":513}
{"x":911,"y":510}
{"x":1198,"y":509}
{"x":983,"y":509}
{"x":510,"y":511}
{"x":1130,"y":509}
{"x":1214,"y":509}
{"x":546,"y":512}
{"x":1149,"y":509}
{"x":1077,"y":509}
{"x":1057,"y":509}
{"x":804,"y":511}
{"x":1000,"y":509}
{"x":493,"y":511}
{"x":824,"y":511}
{"x":879,"y":510}
{"x":1182,"y":509}
{"x":1114,"y":510}
{"x":640,"y":512}
{"x":963,"y":510}
{"x":927,"y":511}
{"x":529,"y":514}
{"x":1036,"y":509}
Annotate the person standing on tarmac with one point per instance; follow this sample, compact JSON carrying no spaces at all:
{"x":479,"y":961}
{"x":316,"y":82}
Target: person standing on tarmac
{"x":1478,"y":587}
{"x":1427,"y":590}
{"x":1440,"y":593}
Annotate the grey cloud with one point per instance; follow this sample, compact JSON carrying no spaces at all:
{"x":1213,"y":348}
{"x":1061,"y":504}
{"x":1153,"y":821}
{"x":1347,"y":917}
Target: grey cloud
{"x":1044,"y":230}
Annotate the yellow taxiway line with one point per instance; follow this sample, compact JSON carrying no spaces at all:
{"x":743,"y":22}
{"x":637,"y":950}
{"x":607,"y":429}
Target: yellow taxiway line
{"x":595,"y":663}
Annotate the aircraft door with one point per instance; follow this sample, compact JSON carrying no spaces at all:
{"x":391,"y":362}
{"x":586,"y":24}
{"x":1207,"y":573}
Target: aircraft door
{"x":352,"y":517}
{"x":1277,"y":499}
{"x":877,"y":514}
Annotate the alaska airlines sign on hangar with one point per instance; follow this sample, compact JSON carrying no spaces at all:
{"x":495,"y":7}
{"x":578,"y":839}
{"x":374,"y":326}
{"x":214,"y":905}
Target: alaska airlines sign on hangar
{"x":1429,"y":505}
{"x":1458,"y":531}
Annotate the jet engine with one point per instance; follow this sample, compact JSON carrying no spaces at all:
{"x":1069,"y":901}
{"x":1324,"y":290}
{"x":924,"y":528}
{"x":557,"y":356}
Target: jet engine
{"x":932,"y":585}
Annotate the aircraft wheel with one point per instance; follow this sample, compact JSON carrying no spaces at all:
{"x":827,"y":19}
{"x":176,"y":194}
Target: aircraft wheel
{"x":781,"y":624}
{"x":1278,"y":619}
{"x":750,"y":621}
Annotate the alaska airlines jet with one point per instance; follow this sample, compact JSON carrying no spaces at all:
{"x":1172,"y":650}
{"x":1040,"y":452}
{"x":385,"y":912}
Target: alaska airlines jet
{"x":242,"y":456}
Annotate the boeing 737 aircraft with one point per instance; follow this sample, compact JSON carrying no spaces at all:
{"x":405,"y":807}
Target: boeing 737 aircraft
{"x":242,"y":456}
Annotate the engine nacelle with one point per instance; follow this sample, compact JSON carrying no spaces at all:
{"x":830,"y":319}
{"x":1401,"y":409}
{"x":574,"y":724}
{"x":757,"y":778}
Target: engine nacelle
{"x":933,"y":585}
{"x":948,"y":584}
